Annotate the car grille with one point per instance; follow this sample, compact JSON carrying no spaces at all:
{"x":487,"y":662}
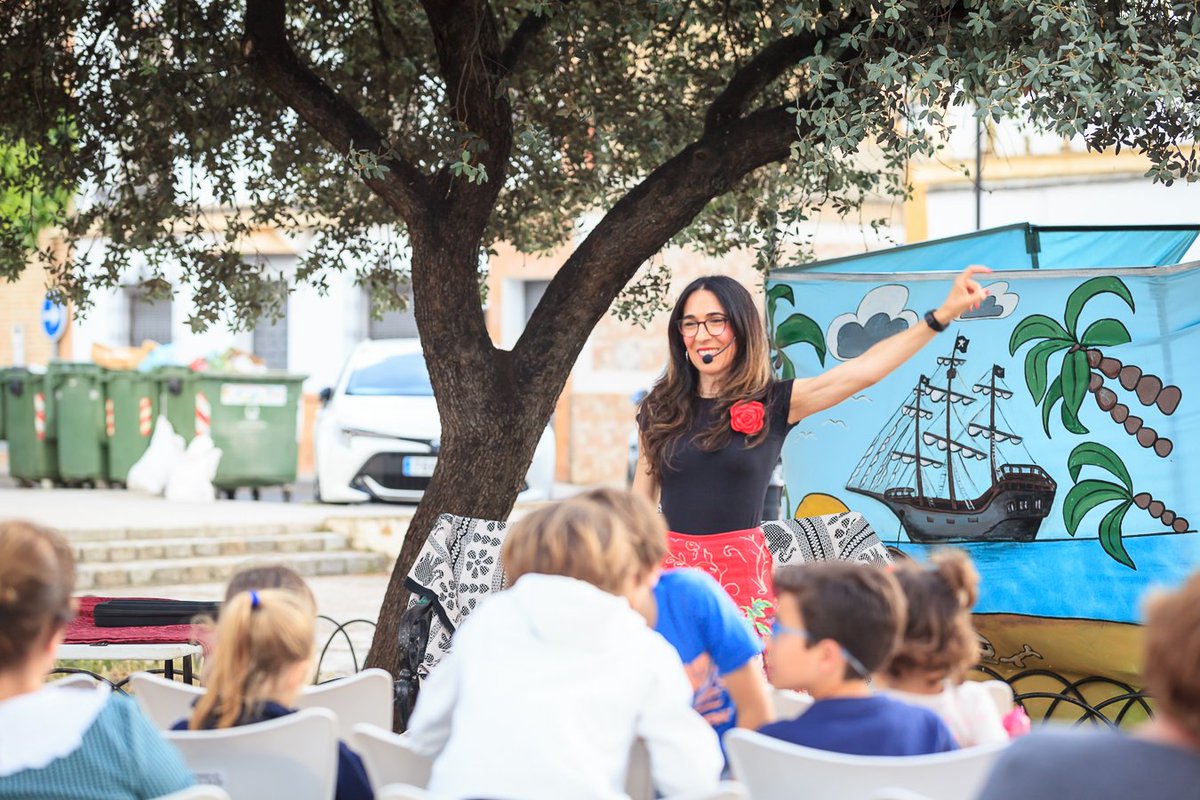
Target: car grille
{"x":386,"y":469}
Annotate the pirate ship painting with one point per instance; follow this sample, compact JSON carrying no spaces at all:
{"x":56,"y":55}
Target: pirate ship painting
{"x":927,"y":463}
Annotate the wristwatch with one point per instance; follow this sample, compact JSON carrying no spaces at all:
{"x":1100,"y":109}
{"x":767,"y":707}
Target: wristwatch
{"x":932,"y":321}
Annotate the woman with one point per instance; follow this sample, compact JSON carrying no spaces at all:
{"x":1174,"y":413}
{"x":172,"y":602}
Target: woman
{"x":64,"y":742}
{"x":712,"y":427}
{"x":262,"y":660}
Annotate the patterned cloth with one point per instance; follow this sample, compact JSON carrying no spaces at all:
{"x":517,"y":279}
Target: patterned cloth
{"x":739,"y":561}
{"x":458,"y":566}
{"x":834,"y":537}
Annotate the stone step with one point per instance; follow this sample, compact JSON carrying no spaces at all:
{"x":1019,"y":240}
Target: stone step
{"x":187,"y":529}
{"x":93,"y":577}
{"x":203,"y":545}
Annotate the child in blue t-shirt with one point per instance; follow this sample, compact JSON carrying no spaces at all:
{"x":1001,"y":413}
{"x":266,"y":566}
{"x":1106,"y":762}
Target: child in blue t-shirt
{"x":837,"y":623}
{"x":719,"y":651}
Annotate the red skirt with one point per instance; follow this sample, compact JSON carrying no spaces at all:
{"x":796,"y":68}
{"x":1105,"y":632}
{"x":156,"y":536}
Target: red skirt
{"x":738,"y":560}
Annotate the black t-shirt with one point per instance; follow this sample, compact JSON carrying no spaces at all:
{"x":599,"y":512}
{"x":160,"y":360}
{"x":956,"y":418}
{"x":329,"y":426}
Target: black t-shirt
{"x":721,"y":491}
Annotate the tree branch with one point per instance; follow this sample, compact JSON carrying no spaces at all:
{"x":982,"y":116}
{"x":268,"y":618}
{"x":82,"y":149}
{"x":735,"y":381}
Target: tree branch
{"x":522,"y":37}
{"x":637,"y":227}
{"x":766,"y":66}
{"x":274,"y":63}
{"x":467,"y":41}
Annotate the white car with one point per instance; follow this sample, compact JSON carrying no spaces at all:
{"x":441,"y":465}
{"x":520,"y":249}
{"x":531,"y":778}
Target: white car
{"x":378,"y":432}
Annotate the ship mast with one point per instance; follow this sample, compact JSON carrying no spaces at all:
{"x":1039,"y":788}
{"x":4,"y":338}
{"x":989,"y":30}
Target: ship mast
{"x":992,"y":425}
{"x":917,"y":436}
{"x":950,"y":373}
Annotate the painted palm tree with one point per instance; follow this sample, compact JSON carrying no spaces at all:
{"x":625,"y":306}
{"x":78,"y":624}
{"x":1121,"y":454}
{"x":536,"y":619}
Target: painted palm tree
{"x":796,"y":329}
{"x":1085,"y":366}
{"x":1091,"y":493}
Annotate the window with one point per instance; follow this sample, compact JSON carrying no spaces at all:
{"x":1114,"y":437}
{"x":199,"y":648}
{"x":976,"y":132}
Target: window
{"x":271,"y":338}
{"x":391,"y":375}
{"x":148,"y":318}
{"x":394,"y":324}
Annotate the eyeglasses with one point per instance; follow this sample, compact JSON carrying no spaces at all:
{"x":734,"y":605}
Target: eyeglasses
{"x":715,"y":326}
{"x":779,"y":629}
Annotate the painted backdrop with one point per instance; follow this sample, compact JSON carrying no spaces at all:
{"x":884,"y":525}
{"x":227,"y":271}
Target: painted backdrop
{"x":1052,"y":433}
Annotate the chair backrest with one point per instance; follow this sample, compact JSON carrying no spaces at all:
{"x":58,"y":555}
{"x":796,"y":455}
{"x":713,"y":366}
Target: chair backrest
{"x":197,"y":792}
{"x":164,"y":702}
{"x":402,"y":791}
{"x":1001,"y":694}
{"x":773,"y":770}
{"x":365,"y":697}
{"x":389,"y":758}
{"x":77,"y":679}
{"x":789,"y":704}
{"x":294,"y":756}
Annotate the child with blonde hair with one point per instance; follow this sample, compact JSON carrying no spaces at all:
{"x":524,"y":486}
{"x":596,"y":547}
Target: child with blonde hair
{"x":939,"y":646}
{"x":262,"y":659}
{"x":550,"y":682}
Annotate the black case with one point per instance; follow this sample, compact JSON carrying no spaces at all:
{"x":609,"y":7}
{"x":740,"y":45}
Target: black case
{"x":133,"y":613}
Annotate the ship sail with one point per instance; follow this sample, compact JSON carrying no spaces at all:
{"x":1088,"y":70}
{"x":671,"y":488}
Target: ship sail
{"x":954,"y":447}
{"x":909,"y":458}
{"x":995,"y":434}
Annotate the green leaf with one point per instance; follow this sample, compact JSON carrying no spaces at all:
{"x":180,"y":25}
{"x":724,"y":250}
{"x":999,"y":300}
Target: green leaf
{"x":1086,"y":495}
{"x":1035,"y":366}
{"x":1071,"y":422}
{"x":799,"y":329}
{"x":1075,"y":375}
{"x":1053,"y":395}
{"x":1089,"y":289}
{"x":787,"y":370}
{"x":1110,"y":534}
{"x":1105,"y":332}
{"x":780,"y":291}
{"x":1036,"y":326}
{"x":1098,"y":455}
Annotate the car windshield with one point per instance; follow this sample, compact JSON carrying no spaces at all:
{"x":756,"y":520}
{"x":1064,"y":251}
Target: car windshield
{"x":392,"y":375}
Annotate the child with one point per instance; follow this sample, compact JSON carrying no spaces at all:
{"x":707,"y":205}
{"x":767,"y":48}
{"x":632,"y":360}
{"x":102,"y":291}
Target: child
{"x":939,"y":646}
{"x":57,"y":741}
{"x":837,"y":623}
{"x":691,"y":611}
{"x":262,"y":659}
{"x":550,"y":682}
{"x":269,"y":576}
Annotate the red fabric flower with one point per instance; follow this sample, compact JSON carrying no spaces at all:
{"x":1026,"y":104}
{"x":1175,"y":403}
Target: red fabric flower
{"x":746,"y":416}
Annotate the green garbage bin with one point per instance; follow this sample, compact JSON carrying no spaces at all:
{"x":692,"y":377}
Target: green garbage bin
{"x":253,"y":420}
{"x":130,"y":410}
{"x":78,"y":391}
{"x":29,"y":412}
{"x":177,"y":398}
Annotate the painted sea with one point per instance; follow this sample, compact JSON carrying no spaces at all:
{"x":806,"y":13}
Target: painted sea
{"x":1072,"y":578}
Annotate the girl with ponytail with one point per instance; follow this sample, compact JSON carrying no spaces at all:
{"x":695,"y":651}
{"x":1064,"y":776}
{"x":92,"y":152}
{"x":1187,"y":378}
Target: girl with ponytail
{"x":262,"y":658}
{"x":939,"y":646}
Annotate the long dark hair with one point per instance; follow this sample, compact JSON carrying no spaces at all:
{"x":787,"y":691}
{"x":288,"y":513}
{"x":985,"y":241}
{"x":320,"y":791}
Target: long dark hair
{"x":666,"y":413}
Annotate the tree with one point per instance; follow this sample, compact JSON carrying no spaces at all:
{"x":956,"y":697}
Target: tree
{"x":408,"y":138}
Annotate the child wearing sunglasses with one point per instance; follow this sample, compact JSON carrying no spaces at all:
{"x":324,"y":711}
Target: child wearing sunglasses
{"x":836,"y":624}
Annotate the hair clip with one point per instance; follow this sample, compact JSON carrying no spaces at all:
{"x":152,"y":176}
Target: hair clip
{"x":254,"y":602}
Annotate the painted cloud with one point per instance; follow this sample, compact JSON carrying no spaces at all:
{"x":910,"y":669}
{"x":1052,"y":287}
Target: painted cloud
{"x":999,"y":303}
{"x":880,"y":314}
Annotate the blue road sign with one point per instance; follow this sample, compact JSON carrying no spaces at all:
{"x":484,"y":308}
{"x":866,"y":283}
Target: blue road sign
{"x":54,"y":318}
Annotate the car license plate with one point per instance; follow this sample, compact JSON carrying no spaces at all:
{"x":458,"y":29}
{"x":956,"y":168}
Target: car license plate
{"x":419,"y":466}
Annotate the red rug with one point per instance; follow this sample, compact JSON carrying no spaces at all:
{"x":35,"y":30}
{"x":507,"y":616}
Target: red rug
{"x":740,"y":562}
{"x":83,"y":630}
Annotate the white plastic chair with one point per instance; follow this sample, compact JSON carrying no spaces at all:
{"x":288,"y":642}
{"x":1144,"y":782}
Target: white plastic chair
{"x":198,"y":792}
{"x":77,"y":679}
{"x":1001,"y":694}
{"x":294,"y":756}
{"x":389,"y":758}
{"x":789,"y":704}
{"x":776,"y":770}
{"x":402,"y":791}
{"x":364,"y":697}
{"x":164,"y":702}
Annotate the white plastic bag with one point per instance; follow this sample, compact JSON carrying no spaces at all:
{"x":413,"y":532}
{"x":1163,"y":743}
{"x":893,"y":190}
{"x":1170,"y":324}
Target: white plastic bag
{"x":152,"y":470}
{"x":191,"y":479}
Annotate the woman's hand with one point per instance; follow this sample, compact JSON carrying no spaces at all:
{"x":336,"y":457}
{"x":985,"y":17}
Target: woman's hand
{"x":965,"y":294}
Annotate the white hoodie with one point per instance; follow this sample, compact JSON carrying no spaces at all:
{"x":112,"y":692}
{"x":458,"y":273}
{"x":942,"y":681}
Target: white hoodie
{"x":546,"y":688}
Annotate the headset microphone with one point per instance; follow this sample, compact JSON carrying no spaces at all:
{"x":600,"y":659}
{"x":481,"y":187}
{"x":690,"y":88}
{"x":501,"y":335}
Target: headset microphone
{"x":707,"y":358}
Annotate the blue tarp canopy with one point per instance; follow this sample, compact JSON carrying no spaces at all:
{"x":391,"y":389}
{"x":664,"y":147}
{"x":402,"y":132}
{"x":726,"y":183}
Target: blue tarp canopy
{"x":1024,"y":246}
